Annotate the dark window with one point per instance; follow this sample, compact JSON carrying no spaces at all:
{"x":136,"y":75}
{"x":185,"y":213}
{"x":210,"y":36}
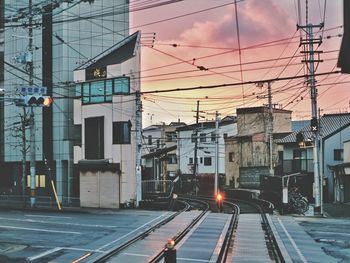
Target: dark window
{"x":149,"y":141}
{"x":299,"y":154}
{"x":231,"y":156}
{"x":94,"y":138}
{"x":190,"y":160}
{"x":77,"y":135}
{"x":201,"y":159}
{"x":207,"y":161}
{"x":172,"y":159}
{"x":203,"y":137}
{"x":225,"y":136}
{"x":170,"y":136}
{"x":213,"y":136}
{"x":338,"y":154}
{"x":158,"y":143}
{"x":121,"y":132}
{"x":193,"y":137}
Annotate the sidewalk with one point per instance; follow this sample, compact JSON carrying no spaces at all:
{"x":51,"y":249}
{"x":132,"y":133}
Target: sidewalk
{"x":336,"y":210}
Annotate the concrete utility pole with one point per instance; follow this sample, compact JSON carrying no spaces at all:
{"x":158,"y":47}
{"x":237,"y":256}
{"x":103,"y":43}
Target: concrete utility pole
{"x":310,"y":60}
{"x":195,"y":145}
{"x":216,"y":180}
{"x":138,"y":148}
{"x":30,"y":70}
{"x":270,"y":128}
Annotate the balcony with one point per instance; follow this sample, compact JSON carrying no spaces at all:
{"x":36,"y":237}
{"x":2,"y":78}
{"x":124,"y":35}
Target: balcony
{"x":298,"y":165}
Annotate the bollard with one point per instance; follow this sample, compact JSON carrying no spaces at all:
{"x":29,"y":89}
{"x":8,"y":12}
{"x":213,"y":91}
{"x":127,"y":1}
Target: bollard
{"x":170,"y":252}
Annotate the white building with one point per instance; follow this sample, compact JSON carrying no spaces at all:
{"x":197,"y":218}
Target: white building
{"x":206,"y":153}
{"x":106,"y":115}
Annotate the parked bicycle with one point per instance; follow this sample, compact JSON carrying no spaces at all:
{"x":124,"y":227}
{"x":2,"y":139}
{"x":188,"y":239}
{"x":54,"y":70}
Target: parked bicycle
{"x":297,"y":202}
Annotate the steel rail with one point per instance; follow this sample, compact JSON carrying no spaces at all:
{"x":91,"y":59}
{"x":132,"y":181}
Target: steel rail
{"x":142,"y":235}
{"x":159,"y":255}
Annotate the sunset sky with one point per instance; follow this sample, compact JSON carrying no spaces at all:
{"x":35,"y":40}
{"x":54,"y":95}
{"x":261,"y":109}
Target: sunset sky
{"x":196,"y":44}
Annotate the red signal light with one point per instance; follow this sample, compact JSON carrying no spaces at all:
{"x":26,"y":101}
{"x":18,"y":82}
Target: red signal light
{"x":47,"y":101}
{"x":219,"y":197}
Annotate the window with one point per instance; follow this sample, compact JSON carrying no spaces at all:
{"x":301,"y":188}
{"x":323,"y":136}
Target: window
{"x":201,"y":159}
{"x":190,"y":160}
{"x":172,"y":159}
{"x":193,"y":137}
{"x":121,"y":132}
{"x":149,"y":140}
{"x":231,"y":157}
{"x":203,"y":137}
{"x":225,"y":136}
{"x":207,"y":161}
{"x":122,"y":85}
{"x":170,"y":136}
{"x":213,"y":136}
{"x":338,"y":154}
{"x":100,"y":91}
{"x":77,"y":135}
{"x":94,"y":138}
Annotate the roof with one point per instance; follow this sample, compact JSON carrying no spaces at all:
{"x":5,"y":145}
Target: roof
{"x":116,"y":54}
{"x":330,"y":124}
{"x":159,"y":152}
{"x":261,"y":109}
{"x":207,"y":124}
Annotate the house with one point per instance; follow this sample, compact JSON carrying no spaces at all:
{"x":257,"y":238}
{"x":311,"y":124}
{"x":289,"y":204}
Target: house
{"x":159,"y":160}
{"x":341,"y":175}
{"x":334,"y":131}
{"x":105,"y":114}
{"x":248,"y":152}
{"x":205,"y":147}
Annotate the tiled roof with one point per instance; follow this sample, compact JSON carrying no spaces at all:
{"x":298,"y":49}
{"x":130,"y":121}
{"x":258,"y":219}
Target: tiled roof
{"x":329,"y":124}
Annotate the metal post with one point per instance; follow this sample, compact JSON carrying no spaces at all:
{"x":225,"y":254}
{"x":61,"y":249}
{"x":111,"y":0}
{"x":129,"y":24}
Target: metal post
{"x":138,"y":148}
{"x":216,"y":153}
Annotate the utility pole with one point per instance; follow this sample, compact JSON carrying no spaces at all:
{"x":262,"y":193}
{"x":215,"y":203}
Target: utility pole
{"x":308,"y":42}
{"x":216,"y":180}
{"x":30,"y":70}
{"x":138,"y":148}
{"x":270,"y":128}
{"x":195,"y":145}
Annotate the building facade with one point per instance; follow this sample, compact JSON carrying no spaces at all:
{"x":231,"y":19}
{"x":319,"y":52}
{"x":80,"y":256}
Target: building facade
{"x":64,"y":37}
{"x":247,"y":153}
{"x":106,"y":116}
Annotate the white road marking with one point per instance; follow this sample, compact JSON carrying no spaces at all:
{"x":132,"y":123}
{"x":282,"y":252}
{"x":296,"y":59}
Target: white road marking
{"x":116,"y":240}
{"x":55,"y":222}
{"x":60,"y":217}
{"x":292,"y":241}
{"x":193,"y":260}
{"x":41,"y":230}
{"x":331,"y":233}
{"x":48,"y":252}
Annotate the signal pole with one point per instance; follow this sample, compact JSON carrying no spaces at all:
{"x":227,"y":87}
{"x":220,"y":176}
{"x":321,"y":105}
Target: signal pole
{"x":216,"y":180}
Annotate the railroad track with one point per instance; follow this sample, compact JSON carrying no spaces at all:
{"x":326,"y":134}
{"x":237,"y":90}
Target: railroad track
{"x":157,"y":256}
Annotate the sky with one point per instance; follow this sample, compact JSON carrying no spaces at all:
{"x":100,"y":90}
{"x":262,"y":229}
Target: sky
{"x":197,"y":44}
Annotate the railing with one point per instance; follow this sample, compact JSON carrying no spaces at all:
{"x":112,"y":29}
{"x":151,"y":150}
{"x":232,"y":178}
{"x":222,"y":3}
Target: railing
{"x":298,"y":165}
{"x":40,"y":201}
{"x":162,"y":188}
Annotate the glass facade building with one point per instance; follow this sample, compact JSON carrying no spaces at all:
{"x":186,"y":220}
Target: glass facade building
{"x":65,"y":35}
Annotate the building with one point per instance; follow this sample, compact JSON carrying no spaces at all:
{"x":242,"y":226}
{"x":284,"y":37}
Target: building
{"x":297,"y":156}
{"x":206,"y":152}
{"x":159,"y":151}
{"x":108,"y":88}
{"x":63,"y":39}
{"x":341,"y":173}
{"x":247,"y":152}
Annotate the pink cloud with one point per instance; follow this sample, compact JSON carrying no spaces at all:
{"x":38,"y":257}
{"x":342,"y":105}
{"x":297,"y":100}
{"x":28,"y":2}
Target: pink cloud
{"x":259,"y":21}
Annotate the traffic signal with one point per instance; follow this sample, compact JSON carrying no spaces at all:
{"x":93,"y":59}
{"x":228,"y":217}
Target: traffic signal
{"x":37,"y":100}
{"x":219,"y":201}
